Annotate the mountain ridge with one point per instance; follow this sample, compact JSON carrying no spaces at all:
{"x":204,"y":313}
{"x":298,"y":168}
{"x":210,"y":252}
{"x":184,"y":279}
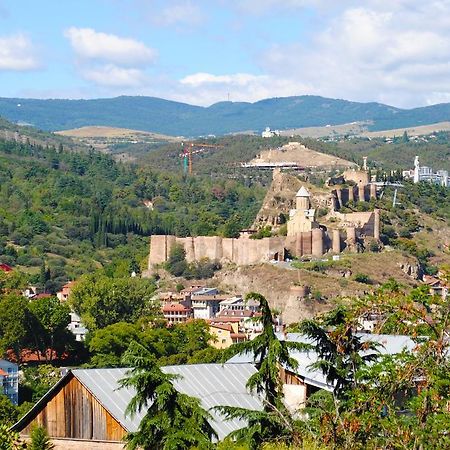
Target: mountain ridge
{"x":176,"y":118}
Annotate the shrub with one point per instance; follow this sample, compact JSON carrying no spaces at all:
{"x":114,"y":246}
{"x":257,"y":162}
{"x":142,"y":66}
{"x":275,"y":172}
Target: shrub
{"x":362,"y":278}
{"x":40,"y":440}
{"x":262,"y":233}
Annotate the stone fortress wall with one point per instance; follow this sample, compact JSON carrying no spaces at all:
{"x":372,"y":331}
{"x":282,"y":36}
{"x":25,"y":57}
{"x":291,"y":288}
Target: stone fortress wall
{"x":305,"y":235}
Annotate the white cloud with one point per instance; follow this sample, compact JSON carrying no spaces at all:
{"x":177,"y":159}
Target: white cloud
{"x":205,"y":88}
{"x":89,"y":44}
{"x":238,"y":79}
{"x":179,"y":14}
{"x":114,"y":76}
{"x":396,"y":53}
{"x":17,"y":53}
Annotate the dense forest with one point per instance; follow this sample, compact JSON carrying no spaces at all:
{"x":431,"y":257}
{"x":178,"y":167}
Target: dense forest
{"x":75,"y":212}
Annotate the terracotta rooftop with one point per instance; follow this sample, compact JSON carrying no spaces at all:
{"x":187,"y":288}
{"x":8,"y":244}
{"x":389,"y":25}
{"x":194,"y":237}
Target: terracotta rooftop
{"x":238,"y":336}
{"x":43,"y":295}
{"x":433,"y":281}
{"x":175,"y":307}
{"x":219,"y":319}
{"x":5,"y":267}
{"x":222,"y":327}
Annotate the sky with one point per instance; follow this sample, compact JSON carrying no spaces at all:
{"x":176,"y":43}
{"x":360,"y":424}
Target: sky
{"x":206,"y":51}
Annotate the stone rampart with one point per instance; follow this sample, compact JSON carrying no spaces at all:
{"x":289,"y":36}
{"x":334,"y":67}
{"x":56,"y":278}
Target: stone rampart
{"x":242,"y":251}
{"x":246,"y":251}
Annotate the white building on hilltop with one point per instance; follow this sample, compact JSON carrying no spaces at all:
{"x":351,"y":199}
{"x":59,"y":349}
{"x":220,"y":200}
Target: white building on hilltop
{"x":268,"y":133}
{"x":425,"y":173}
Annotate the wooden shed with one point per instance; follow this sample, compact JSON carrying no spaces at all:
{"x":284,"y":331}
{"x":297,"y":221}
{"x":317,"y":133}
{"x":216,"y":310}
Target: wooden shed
{"x":71,"y":410}
{"x":86,"y":408}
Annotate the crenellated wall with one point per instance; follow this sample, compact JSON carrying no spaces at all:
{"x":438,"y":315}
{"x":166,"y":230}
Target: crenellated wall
{"x":246,"y":251}
{"x":242,"y":251}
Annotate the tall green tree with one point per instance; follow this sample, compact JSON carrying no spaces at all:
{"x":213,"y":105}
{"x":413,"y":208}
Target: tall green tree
{"x":14,"y":324}
{"x":49,"y":329}
{"x":173,"y":420}
{"x":341,"y":353}
{"x":274,"y":422}
{"x":102,"y":301}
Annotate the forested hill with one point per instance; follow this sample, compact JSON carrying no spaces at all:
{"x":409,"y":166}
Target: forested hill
{"x":26,"y":134}
{"x":174,"y":118}
{"x":75,"y":212}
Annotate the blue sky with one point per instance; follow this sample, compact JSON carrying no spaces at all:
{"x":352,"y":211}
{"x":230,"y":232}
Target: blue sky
{"x":200,"y":52}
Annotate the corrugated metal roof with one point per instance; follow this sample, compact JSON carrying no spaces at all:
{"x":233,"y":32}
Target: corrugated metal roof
{"x":389,"y":345}
{"x":212,"y":384}
{"x":103,"y":384}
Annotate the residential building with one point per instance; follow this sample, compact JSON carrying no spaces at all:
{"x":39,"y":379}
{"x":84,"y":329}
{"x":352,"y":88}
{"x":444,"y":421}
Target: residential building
{"x":86,"y":408}
{"x":298,"y":385}
{"x":187,"y":292}
{"x":63,"y":295}
{"x":225,"y":335}
{"x":31,"y":292}
{"x":9,"y":380}
{"x":239,"y":304}
{"x":77,"y":327}
{"x":176,"y":312}
{"x":268,"y":133}
{"x":247,"y":320}
{"x":170,"y":296}
{"x":437,"y":286}
{"x":206,"y":306}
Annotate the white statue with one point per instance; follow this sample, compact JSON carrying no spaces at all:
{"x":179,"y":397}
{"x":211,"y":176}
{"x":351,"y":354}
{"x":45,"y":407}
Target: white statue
{"x":416,"y":169}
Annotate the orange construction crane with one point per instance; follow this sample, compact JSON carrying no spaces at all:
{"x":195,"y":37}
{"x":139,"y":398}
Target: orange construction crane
{"x":194,"y":148}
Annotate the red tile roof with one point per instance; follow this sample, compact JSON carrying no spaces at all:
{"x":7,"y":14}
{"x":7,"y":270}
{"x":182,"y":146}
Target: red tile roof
{"x":238,"y":336}
{"x":43,"y":296}
{"x":220,"y":319}
{"x":5,"y":267}
{"x":222,"y":327}
{"x":175,"y":307}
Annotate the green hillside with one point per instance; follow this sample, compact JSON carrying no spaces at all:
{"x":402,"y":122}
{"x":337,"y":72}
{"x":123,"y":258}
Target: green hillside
{"x":75,"y":212}
{"x":174,"y":118}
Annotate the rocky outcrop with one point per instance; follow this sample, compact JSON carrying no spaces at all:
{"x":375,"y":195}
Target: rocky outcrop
{"x":413,"y":270}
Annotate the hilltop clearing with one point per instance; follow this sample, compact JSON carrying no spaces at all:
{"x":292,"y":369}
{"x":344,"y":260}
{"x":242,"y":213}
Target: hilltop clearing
{"x":421,"y":130}
{"x":305,"y":157}
{"x":124,"y":143}
{"x":361,"y":129}
{"x":354,"y":128}
{"x":110,"y":132}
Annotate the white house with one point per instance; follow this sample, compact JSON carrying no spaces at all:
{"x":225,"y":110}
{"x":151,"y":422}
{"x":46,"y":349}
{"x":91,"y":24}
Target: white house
{"x":77,"y":327}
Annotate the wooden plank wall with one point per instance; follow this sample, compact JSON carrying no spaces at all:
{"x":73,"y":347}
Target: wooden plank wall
{"x":74,"y":413}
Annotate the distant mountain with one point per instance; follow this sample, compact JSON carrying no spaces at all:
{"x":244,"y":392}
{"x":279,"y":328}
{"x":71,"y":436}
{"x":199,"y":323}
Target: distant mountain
{"x":174,"y":118}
